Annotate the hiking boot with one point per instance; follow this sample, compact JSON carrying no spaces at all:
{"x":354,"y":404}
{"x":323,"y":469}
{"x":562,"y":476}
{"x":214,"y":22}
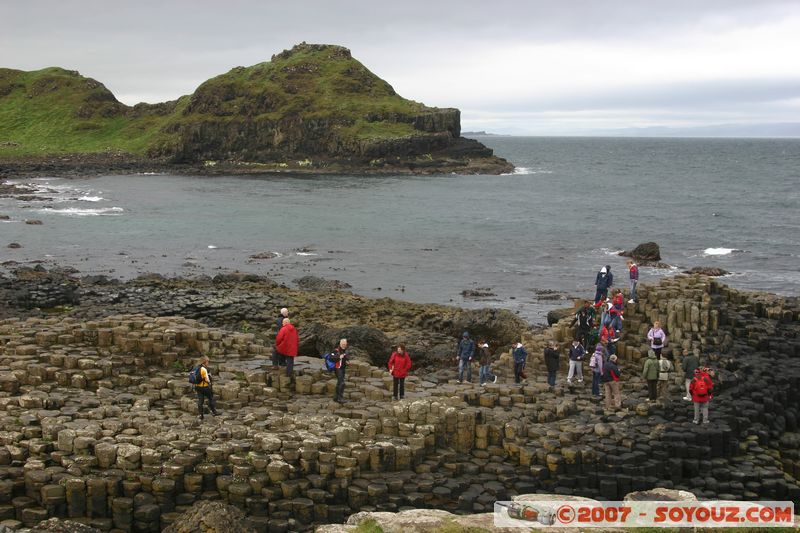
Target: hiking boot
{"x":631,"y":301}
{"x":215,"y":413}
{"x":580,"y":381}
{"x":687,"y":398}
{"x":695,"y":421}
{"x":458,"y":381}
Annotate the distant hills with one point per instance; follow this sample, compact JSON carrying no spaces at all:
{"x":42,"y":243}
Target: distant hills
{"x":313,"y":107}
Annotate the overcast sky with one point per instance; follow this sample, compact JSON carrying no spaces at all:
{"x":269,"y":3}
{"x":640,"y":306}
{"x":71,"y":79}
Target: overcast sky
{"x":526,"y":66}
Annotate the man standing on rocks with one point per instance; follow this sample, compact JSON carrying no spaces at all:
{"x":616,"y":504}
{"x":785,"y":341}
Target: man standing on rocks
{"x":665,"y":368}
{"x":633,"y":273}
{"x":464,"y":354}
{"x":690,"y":363}
{"x":650,"y":374}
{"x":520,"y":356}
{"x":603,"y":282}
{"x":576,"y":354}
{"x":702,"y":390}
{"x":277,"y":360}
{"x":341,"y":356}
{"x":585,"y":320}
{"x":287,"y":343}
{"x":611,"y":373}
{"x":551,"y":362}
{"x":204,"y":389}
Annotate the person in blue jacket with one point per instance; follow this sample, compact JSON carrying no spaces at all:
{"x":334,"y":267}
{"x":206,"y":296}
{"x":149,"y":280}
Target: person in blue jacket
{"x":603,"y":281}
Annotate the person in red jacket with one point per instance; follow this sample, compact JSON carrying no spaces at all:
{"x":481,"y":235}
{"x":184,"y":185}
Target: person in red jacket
{"x":286,"y":343}
{"x":399,"y":365}
{"x":702,"y":390}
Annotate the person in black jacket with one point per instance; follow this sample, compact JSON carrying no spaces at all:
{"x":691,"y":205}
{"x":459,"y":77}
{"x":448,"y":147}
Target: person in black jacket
{"x":341,"y":356}
{"x":585,"y":320}
{"x":551,"y":362}
{"x":576,"y":354}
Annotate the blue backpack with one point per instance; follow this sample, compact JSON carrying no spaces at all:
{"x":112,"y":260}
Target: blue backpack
{"x":194,"y":376}
{"x":330,"y":361}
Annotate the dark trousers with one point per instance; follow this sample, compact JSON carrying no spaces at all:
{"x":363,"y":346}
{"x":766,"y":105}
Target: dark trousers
{"x":600,"y":294}
{"x":583,"y":335}
{"x":289,"y":365}
{"x":652,"y":389}
{"x":596,"y":383}
{"x":205,"y":393}
{"x":339,"y":384}
{"x":551,"y":378}
{"x":518,"y":372}
{"x":277,"y":359}
{"x":399,"y":384}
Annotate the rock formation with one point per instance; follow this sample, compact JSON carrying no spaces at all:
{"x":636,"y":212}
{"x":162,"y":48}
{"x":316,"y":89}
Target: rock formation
{"x":313,"y":108}
{"x":99,"y":422}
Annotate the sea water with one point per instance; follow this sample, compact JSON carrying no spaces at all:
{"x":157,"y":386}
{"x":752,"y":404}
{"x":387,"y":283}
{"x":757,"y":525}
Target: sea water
{"x":567,"y":210}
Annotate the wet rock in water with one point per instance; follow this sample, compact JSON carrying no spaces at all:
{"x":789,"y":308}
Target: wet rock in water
{"x":34,"y":222}
{"x":15,"y":245}
{"x":211,"y":517}
{"x":707,"y":271}
{"x":5,"y":217}
{"x":481,"y":292}
{"x":645,"y":252}
{"x":264,"y":255}
{"x":315,"y":283}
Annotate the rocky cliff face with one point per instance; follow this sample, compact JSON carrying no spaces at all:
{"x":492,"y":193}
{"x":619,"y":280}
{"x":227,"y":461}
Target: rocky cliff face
{"x":312,"y":108}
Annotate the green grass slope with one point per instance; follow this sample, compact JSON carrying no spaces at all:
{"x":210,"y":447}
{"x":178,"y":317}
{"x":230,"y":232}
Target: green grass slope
{"x":312,"y":99}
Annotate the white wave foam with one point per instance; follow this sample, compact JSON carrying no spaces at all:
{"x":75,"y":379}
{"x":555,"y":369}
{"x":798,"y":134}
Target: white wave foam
{"x":306,"y":253}
{"x":78,"y":212}
{"x":212,"y":247}
{"x":526,"y":171}
{"x":91,"y":199}
{"x":720,"y":251}
{"x":609,"y":251}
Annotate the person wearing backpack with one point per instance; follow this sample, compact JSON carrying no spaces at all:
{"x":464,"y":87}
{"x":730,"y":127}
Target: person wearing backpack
{"x":650,"y":374}
{"x":611,"y":385}
{"x":520,"y":357}
{"x":616,"y":310}
{"x":689,"y":364}
{"x":464,"y":354}
{"x":603,"y":282}
{"x":702,"y":391}
{"x":203,"y":388}
{"x":399,"y":365}
{"x":551,"y":362}
{"x":342,"y":356}
{"x":576,"y":354}
{"x":657,"y":338}
{"x":287,"y":343}
{"x":633,"y":273}
{"x":665,"y":368}
{"x":596,"y":364}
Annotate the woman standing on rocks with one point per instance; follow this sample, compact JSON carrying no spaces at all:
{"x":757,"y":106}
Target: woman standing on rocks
{"x":657,"y":338}
{"x":611,"y":373}
{"x":399,"y":365}
{"x":340,"y":354}
{"x":596,"y":364}
{"x":204,"y":389}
